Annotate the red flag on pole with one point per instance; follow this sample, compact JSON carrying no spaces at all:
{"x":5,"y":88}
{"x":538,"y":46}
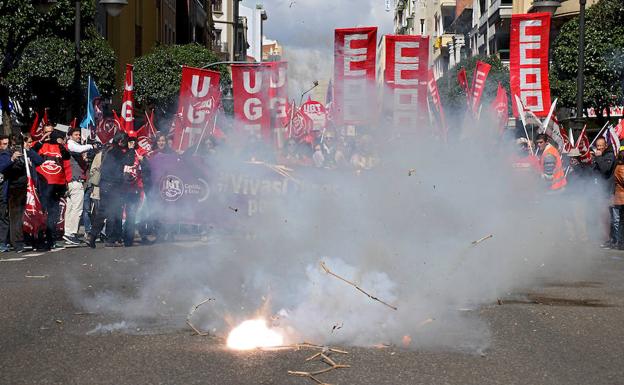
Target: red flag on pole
{"x":478,"y":84}
{"x":36,"y":130}
{"x":355,"y":51}
{"x":528,"y":61}
{"x":127,"y":105}
{"x":582,"y":144}
{"x":34,"y":217}
{"x":437,"y":103}
{"x":500,"y":106}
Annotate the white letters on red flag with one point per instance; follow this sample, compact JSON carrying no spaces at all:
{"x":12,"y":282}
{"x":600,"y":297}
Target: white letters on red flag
{"x":317,"y":114}
{"x":437,"y":103}
{"x":200,"y":96}
{"x":478,"y":84}
{"x":528,"y":61}
{"x":258,"y":90}
{"x":407,"y":58}
{"x":355,"y":53}
{"x":127,"y":104}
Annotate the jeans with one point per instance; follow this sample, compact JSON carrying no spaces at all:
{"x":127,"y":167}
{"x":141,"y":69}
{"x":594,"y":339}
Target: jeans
{"x":86,"y":209}
{"x":615,"y":224}
{"x":110,"y":209}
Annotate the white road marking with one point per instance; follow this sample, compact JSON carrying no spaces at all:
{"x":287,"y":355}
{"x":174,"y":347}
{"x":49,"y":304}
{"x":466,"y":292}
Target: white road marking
{"x":12,"y":259}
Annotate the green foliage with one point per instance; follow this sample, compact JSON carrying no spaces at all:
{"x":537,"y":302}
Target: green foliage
{"x":454,"y":98}
{"x":47,"y":69}
{"x":38,"y":55}
{"x":157,"y":75}
{"x":604,"y":57}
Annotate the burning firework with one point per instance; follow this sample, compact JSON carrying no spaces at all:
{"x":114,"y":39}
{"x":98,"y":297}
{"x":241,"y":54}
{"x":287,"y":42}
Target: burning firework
{"x":252,"y":334}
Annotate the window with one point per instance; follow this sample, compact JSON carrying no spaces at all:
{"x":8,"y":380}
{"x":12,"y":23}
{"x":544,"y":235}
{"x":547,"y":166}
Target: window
{"x":217,"y":5}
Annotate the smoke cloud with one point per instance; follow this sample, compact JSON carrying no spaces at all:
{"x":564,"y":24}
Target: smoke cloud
{"x":403,"y":232}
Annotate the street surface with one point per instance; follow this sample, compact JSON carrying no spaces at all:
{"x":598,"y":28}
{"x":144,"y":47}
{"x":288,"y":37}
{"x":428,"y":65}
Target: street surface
{"x":568,"y":331}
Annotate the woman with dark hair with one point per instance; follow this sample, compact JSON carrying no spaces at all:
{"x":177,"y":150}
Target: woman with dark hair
{"x":161,"y":144}
{"x":618,"y":197}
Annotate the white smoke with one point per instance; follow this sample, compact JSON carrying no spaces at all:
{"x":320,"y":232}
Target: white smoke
{"x":405,"y":237}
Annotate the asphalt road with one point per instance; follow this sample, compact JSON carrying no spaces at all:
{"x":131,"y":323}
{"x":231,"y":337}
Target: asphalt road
{"x":565,"y":332}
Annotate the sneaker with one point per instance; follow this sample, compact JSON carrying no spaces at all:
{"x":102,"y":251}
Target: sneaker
{"x":4,"y":248}
{"x":90,"y":241}
{"x":607,"y":245}
{"x":71,"y":240}
{"x":113,"y":244}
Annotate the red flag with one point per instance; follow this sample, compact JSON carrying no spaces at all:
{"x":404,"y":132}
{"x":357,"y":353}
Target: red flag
{"x":619,"y":129}
{"x":405,"y":75}
{"x":36,"y":130}
{"x":500,"y":107}
{"x":200,"y":97}
{"x":462,"y":79}
{"x":73,"y":123}
{"x":34,"y":217}
{"x":127,"y":105}
{"x":528,"y":61}
{"x":478,"y":84}
{"x":107,"y":128}
{"x":582,"y":144}
{"x":437,"y":103}
{"x":316,"y":114}
{"x":355,"y":51}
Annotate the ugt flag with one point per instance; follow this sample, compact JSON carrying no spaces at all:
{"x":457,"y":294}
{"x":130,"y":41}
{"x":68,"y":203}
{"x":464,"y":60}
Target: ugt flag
{"x":93,"y":96}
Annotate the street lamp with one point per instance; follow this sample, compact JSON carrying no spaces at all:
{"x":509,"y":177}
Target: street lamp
{"x":580,"y":79}
{"x":315,"y":84}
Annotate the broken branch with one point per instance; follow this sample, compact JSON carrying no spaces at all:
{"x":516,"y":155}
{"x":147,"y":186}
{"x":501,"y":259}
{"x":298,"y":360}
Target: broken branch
{"x":482,"y":239}
{"x":356,"y":286}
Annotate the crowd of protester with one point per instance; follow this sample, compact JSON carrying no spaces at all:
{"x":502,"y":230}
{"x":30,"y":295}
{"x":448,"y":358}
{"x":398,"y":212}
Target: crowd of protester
{"x":597,"y":174}
{"x":103,"y":187}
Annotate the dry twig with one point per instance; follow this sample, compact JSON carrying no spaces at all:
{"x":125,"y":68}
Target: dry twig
{"x":356,"y":286}
{"x":482,"y":239}
{"x":188,"y":318}
{"x":324,"y":358}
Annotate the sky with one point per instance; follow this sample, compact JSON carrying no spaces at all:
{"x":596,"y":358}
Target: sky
{"x":310,"y":23}
{"x":305,"y":29}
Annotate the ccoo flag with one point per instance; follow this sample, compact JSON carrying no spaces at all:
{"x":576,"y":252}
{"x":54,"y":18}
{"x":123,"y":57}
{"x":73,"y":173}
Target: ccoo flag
{"x":92,"y":96}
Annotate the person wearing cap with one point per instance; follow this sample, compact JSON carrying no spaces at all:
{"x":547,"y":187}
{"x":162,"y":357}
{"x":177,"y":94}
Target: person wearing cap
{"x":75,"y":187}
{"x":54,"y":174}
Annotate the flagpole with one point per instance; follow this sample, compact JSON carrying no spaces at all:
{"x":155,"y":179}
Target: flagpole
{"x":598,"y":134}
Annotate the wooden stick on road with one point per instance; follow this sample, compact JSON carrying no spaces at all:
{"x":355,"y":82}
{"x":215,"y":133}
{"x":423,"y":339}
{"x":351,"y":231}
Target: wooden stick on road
{"x":356,"y":286}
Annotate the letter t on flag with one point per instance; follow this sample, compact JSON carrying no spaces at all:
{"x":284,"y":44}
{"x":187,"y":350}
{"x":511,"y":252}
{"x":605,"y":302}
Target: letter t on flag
{"x":127,"y":104}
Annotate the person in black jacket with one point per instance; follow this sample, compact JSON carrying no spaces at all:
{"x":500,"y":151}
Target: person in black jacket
{"x":112,"y":182}
{"x":603,"y":160}
{"x":17,"y":183}
{"x":6,"y":159}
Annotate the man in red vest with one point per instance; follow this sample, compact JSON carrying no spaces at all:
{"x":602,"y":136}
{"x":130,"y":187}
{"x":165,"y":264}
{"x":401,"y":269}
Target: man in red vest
{"x":54,"y":174}
{"x":551,"y":165}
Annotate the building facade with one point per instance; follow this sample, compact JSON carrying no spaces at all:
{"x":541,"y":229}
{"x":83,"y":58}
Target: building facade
{"x":254,"y":19}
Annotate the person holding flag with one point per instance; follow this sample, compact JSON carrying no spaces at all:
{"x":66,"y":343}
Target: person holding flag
{"x":17,"y":177}
{"x":75,"y":187}
{"x":54,"y":173}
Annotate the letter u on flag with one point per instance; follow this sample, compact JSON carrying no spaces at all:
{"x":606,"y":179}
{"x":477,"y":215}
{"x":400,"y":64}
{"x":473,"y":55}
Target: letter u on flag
{"x":127,"y":104}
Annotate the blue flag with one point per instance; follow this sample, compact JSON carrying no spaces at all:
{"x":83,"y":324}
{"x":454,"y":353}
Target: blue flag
{"x":93,"y":95}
